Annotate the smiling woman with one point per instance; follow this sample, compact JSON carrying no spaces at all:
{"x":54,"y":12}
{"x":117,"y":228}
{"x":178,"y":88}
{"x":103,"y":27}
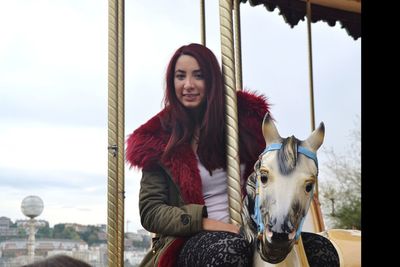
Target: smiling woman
{"x":181,"y":151}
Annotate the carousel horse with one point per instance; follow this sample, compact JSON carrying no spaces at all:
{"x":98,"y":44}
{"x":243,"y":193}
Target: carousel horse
{"x":279,"y":195}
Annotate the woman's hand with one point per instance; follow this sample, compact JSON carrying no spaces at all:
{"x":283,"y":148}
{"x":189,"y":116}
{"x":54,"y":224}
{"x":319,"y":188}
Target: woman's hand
{"x":214,"y":225}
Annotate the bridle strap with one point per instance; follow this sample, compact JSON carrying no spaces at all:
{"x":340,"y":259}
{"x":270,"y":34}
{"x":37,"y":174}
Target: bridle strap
{"x":300,"y":149}
{"x":257,"y":210}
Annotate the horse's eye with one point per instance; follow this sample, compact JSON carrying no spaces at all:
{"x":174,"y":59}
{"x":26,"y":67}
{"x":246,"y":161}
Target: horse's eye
{"x":309,"y":187}
{"x":264,"y":178}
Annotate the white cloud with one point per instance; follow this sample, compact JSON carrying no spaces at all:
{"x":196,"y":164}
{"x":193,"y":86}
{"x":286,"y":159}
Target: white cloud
{"x":46,"y":148}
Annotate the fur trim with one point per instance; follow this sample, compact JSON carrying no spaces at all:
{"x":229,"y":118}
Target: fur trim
{"x":146,"y":145}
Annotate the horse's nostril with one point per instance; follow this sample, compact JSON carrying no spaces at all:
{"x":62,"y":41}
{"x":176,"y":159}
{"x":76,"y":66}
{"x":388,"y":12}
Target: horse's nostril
{"x":280,"y":237}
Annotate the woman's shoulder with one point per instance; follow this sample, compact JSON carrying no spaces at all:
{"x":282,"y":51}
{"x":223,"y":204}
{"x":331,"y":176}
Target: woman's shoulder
{"x":146,"y":144}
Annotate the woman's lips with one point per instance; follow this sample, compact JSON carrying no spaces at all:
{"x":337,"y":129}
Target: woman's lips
{"x":190,"y":96}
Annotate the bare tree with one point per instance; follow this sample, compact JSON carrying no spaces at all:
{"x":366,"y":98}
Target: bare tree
{"x":341,"y":191}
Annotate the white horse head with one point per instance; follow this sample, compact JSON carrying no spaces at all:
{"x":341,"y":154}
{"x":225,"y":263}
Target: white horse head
{"x":279,"y":191}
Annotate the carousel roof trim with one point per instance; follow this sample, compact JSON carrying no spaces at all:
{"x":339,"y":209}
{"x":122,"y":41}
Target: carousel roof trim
{"x":347,"y":12}
{"x":346,"y":5}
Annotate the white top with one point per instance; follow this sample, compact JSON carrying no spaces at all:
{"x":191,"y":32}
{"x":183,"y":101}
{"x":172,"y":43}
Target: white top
{"x":215,"y":192}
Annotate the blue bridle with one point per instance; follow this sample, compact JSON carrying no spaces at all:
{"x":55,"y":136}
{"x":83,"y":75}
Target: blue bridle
{"x":257,"y":210}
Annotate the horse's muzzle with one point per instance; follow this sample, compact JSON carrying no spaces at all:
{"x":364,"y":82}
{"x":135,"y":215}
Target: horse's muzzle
{"x":276,"y":250}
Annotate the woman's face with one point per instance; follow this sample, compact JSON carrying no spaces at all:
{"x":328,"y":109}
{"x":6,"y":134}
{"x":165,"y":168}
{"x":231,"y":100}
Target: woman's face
{"x":189,"y":82}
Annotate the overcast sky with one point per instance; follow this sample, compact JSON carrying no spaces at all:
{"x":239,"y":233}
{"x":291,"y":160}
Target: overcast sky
{"x":53,"y":91}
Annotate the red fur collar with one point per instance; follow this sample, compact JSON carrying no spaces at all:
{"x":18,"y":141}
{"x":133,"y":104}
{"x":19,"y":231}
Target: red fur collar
{"x":147,"y":143}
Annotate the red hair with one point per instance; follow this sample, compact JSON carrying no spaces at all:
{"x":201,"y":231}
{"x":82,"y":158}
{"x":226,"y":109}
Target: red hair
{"x":181,"y":122}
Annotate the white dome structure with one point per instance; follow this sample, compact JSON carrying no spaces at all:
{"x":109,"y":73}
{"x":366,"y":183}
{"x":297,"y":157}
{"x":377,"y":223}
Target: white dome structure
{"x":32,"y":206}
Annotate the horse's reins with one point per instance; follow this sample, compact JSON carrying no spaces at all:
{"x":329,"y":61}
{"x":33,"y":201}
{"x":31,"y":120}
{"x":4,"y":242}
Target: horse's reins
{"x":257,"y":211}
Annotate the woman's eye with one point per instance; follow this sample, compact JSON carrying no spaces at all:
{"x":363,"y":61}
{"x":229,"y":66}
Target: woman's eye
{"x":198,"y":76}
{"x":180,"y":76}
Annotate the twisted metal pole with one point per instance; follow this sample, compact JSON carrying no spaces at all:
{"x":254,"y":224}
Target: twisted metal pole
{"x":115,"y":189}
{"x":228,"y":70}
{"x":121,"y":130}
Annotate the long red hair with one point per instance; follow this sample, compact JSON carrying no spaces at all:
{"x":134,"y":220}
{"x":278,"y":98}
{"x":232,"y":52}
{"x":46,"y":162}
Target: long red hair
{"x":181,"y":122}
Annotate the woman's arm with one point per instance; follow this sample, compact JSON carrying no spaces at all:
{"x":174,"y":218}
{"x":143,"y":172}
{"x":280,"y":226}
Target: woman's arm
{"x":214,"y":225}
{"x":161,"y":210}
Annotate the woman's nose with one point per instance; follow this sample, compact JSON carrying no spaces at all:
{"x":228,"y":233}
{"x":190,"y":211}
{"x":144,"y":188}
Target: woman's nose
{"x":188,"y":84}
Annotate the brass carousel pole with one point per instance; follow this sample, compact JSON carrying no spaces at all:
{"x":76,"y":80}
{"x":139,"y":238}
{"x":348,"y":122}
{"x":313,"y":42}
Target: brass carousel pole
{"x":310,"y":65}
{"x":315,"y":206}
{"x":115,"y":190}
{"x":238,"y":45}
{"x":228,"y":70}
{"x":203,"y":22}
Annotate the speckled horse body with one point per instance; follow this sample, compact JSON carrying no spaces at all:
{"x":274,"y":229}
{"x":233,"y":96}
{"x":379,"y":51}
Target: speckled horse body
{"x":279,"y":195}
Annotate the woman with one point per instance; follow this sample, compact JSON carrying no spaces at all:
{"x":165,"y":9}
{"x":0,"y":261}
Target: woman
{"x":181,"y":150}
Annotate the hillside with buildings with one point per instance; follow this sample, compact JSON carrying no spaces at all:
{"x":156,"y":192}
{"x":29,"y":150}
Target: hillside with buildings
{"x":84,"y":242}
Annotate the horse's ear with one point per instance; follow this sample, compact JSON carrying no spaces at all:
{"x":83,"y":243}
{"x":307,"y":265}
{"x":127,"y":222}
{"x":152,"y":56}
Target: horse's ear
{"x":269,"y":130}
{"x":315,"y":140}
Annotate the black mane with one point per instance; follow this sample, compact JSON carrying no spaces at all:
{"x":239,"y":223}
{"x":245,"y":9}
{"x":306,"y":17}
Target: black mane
{"x":287,"y":155}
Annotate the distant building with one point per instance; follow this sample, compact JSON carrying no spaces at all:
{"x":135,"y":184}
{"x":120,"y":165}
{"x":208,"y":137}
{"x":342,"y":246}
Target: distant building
{"x":5,"y":228}
{"x":143,"y":232}
{"x":13,"y":250}
{"x":102,"y":236}
{"x":12,"y":232}
{"x":17,"y":247}
{"x":5,"y":223}
{"x":77,"y":227}
{"x":103,"y":227}
{"x":134,"y":257}
{"x":134,"y":237}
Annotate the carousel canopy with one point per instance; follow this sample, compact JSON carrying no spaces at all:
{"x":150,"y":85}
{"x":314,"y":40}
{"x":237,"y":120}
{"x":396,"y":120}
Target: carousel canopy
{"x":347,"y":12}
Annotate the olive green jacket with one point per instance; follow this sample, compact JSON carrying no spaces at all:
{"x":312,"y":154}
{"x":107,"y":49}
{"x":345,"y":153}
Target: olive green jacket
{"x":162,"y":210}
